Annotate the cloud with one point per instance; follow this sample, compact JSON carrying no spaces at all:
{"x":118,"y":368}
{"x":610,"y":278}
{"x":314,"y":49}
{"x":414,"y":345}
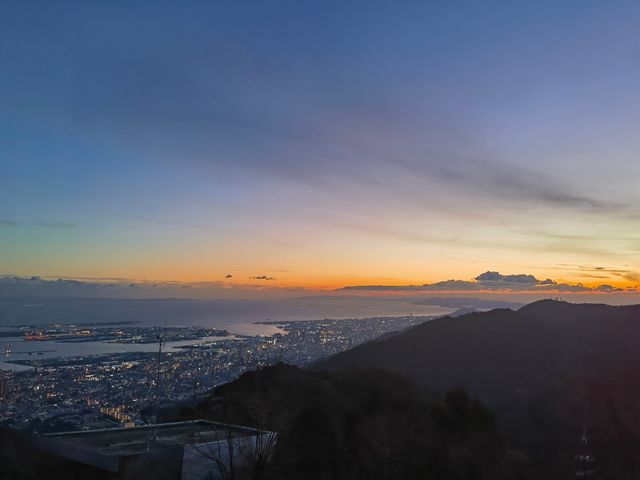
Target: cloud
{"x":485,"y":176}
{"x":608,"y":288}
{"x":55,"y":225}
{"x":495,"y":277}
{"x":492,"y":281}
{"x":262,"y":277}
{"x":598,"y":271}
{"x":14,"y":286}
{"x":9,"y":223}
{"x":16,"y":281}
{"x":176,"y":223}
{"x":50,"y":224}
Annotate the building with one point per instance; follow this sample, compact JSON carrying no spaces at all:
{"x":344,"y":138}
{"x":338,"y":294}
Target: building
{"x":193,"y":450}
{"x":4,"y":386}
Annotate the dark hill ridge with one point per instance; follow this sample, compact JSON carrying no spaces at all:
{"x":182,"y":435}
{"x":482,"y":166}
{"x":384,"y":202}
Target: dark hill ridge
{"x":502,"y":354}
{"x":547,"y":370}
{"x":553,"y":309}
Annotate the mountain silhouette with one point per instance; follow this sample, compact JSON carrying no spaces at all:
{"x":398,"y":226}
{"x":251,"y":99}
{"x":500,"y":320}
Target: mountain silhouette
{"x":549,"y":371}
{"x":503,"y":353}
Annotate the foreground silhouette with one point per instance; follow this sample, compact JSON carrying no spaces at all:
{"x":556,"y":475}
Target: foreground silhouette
{"x":547,"y":371}
{"x":361,"y":424}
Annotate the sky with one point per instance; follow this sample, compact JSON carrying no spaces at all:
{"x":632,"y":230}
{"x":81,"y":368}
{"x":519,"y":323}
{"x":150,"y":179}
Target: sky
{"x":321,"y":145}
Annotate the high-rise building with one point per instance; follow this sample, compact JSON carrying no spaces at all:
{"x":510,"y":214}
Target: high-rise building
{"x":4,"y":386}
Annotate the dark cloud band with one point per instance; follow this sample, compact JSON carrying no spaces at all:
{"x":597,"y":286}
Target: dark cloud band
{"x":493,"y":281}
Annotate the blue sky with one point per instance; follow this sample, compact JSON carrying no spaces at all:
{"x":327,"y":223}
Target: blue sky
{"x":320,"y":143}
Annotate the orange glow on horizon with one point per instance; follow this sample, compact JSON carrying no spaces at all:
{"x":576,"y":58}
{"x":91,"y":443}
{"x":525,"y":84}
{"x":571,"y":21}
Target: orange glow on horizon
{"x":337,"y":283}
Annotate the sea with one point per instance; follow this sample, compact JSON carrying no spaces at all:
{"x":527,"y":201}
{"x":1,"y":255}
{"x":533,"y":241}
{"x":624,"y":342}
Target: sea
{"x":238,"y":317}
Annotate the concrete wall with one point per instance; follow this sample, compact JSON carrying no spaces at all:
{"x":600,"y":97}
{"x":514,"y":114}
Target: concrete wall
{"x":76,"y":454}
{"x":204,"y":461}
{"x":163,"y":465}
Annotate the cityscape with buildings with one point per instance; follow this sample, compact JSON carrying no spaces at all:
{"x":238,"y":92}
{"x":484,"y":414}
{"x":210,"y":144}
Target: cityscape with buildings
{"x":125,"y":389}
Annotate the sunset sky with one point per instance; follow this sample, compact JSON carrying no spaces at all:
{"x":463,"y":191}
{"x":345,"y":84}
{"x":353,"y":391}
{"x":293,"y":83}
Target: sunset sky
{"x":321,"y":144}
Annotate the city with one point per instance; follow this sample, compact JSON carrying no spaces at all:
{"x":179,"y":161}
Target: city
{"x":119,"y":389}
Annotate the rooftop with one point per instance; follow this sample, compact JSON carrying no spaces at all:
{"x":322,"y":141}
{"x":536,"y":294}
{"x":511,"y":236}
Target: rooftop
{"x":148,"y":438}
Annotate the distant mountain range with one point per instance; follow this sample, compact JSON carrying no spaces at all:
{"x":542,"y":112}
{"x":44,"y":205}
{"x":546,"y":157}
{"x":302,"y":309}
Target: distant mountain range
{"x":464,"y":302}
{"x":462,"y":311}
